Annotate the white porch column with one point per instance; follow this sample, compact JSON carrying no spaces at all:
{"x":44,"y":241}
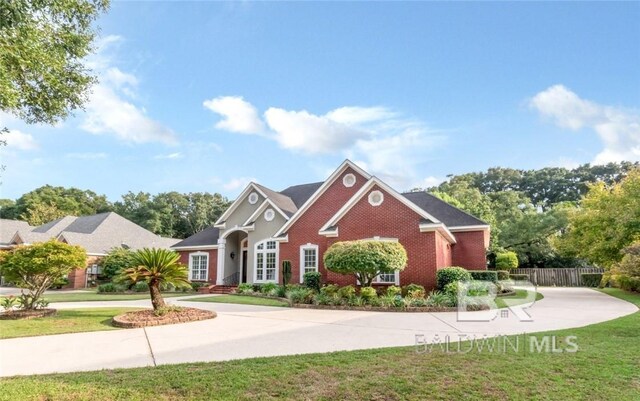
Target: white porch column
{"x":221,"y":255}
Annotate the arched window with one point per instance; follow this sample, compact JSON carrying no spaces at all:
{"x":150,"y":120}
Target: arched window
{"x":266,"y":262}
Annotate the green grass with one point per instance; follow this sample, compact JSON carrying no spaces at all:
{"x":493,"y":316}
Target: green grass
{"x":606,"y":367}
{"x":94,"y":296}
{"x":64,"y":321}
{"x":241,"y":299}
{"x":519,"y":298}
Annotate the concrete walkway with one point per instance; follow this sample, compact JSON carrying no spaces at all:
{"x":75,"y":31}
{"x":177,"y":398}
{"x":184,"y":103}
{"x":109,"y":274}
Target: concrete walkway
{"x":245,"y":331}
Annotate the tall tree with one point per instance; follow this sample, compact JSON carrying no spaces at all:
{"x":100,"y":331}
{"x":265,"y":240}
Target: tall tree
{"x":68,"y":201}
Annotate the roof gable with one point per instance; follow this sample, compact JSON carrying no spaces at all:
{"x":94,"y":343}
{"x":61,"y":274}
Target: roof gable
{"x":443,"y":211}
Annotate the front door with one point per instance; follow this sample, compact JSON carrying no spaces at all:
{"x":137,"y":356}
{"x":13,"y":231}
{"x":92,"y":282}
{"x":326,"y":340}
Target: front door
{"x":244,"y":266}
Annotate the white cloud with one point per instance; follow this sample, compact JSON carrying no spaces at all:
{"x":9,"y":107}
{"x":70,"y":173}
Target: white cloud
{"x":108,"y":110}
{"x":19,"y":140}
{"x":618,"y":128}
{"x":238,"y":115}
{"x":170,"y":156}
{"x":429,"y":182}
{"x":237,"y":183}
{"x":87,"y":155}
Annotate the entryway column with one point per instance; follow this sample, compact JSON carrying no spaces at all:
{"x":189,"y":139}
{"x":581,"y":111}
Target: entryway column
{"x":221,"y":255}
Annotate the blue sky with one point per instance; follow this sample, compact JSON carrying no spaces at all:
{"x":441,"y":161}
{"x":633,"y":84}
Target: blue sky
{"x":204,"y":96}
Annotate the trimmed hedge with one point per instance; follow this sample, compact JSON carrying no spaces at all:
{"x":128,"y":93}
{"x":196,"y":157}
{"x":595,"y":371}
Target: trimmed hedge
{"x":312,"y":280}
{"x":519,"y":277}
{"x":484,"y":275}
{"x":591,"y":279}
{"x":452,"y":274}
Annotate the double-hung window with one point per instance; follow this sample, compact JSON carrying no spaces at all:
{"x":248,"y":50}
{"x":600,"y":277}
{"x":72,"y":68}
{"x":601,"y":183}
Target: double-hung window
{"x":266,"y":261}
{"x":308,"y":259}
{"x":198,"y":266}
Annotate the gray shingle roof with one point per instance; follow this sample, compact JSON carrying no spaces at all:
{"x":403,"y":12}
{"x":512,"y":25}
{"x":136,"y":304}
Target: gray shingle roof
{"x":450,"y":215}
{"x":55,"y":226}
{"x":282,"y":201}
{"x":299,"y":194}
{"x":208,"y":236}
{"x":8,"y":229}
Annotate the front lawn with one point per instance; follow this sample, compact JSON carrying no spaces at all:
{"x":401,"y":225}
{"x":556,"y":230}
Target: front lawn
{"x":606,"y":367}
{"x":64,"y":321}
{"x":240,"y":299}
{"x":95,"y":296}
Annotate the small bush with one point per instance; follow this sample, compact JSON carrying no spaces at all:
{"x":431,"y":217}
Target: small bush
{"x":393,"y":291}
{"x":245,"y":288}
{"x":626,"y":282}
{"x":591,"y":279}
{"x":322,"y":299}
{"x":267,"y":288}
{"x":411,"y":287}
{"x":256,"y":287}
{"x":416,"y":294}
{"x":312,"y":280}
{"x":141,"y":286}
{"x":519,"y":277}
{"x":451,"y":274}
{"x":281,"y":291}
{"x":357,"y":301}
{"x":416,"y":302}
{"x":9,"y":302}
{"x":108,"y":287}
{"x":506,"y":260}
{"x":368,"y":293}
{"x":484,"y":275}
{"x":330,"y":290}
{"x":59,"y":283}
{"x":503,"y":274}
{"x":439,"y":299}
{"x":347,"y":292}
{"x":301,"y":295}
{"x":196,"y":285}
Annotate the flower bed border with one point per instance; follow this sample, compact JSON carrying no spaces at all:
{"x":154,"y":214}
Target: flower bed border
{"x":386,"y":308}
{"x":119,"y":321}
{"x":507,"y":294}
{"x":27,"y":314}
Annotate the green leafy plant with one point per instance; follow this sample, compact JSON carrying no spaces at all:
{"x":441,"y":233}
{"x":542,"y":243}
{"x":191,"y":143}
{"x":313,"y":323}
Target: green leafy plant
{"x":484,"y":275}
{"x":368,"y":293}
{"x":312,"y":280}
{"x":268,"y":288}
{"x":393,"y":290}
{"x":591,"y":279}
{"x":115,"y":261}
{"x":141,"y":286}
{"x":439,"y":299}
{"x":506,"y":260}
{"x":60,"y":282}
{"x":365,"y":259}
{"x":330,"y":289}
{"x":357,"y":301}
{"x":411,"y":287}
{"x":196,"y":285}
{"x":9,"y":302}
{"x":451,"y":274}
{"x":416,"y":294}
{"x":503,"y":274}
{"x":163,"y":310}
{"x":347,"y":292}
{"x":286,"y":272}
{"x":156,"y":267}
{"x":245,"y":288}
{"x":300,"y":295}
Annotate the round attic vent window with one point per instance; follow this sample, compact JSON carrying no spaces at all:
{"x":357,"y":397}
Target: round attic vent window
{"x":349,"y":180}
{"x":253,"y":198}
{"x":269,"y":214}
{"x":376,"y":198}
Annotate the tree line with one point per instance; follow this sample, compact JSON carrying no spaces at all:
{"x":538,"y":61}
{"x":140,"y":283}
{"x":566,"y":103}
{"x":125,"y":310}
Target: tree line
{"x":529,"y":210}
{"x":169,"y":214}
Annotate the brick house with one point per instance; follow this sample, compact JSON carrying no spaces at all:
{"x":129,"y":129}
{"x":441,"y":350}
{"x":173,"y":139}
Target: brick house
{"x":97,"y":234}
{"x":263,"y":227}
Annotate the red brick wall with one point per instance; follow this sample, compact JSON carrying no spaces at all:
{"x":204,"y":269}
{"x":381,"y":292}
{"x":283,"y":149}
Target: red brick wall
{"x":213,"y":261}
{"x":443,"y":249}
{"x":469,"y":251}
{"x":305,"y":229}
{"x":77,"y":278}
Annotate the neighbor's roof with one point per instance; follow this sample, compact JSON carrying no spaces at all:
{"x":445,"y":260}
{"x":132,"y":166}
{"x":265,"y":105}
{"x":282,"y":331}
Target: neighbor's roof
{"x":450,"y":215}
{"x":8,"y":228}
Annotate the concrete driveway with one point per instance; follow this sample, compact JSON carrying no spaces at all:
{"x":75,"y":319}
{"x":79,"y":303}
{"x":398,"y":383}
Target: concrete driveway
{"x":243,"y":331}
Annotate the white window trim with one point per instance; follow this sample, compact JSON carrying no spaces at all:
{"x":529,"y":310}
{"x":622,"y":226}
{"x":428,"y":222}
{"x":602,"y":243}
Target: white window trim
{"x":206,"y":274}
{"x":372,"y":195}
{"x":253,"y":198}
{"x":396,"y":280}
{"x":264,"y":260}
{"x":349,"y":180}
{"x":302,"y":249}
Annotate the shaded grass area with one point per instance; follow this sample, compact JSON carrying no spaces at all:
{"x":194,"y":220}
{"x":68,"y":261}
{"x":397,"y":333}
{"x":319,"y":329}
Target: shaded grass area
{"x":521,"y":296}
{"x":240,"y":299}
{"x":64,"y":321}
{"x":606,"y":367}
{"x":95,"y":296}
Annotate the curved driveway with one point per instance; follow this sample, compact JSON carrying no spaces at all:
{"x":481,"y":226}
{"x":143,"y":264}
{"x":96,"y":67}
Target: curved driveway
{"x":244,"y":331}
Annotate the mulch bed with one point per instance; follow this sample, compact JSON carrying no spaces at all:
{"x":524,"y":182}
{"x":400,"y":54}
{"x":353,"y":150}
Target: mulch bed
{"x":388,"y":309}
{"x":146,"y":318}
{"x":27,"y":314}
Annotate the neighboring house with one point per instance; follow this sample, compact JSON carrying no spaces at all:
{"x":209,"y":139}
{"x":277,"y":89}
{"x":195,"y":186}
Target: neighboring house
{"x":97,"y":234}
{"x":263,"y":227}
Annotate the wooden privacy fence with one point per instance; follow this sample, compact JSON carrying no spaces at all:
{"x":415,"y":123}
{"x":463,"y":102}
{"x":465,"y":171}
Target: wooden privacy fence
{"x":565,"y":277}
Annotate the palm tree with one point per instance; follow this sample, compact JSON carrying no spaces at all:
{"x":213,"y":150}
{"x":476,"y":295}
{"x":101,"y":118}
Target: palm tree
{"x":156,"y":267}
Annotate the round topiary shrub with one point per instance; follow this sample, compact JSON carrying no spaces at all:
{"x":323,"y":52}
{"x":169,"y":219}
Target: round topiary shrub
{"x":452,"y":274}
{"x":506,"y":261}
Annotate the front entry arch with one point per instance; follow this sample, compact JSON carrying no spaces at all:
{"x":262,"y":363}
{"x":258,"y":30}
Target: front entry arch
{"x":231,"y":258}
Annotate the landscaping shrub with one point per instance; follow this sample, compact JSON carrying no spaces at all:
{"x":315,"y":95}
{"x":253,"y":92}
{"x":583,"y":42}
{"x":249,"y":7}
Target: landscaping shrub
{"x":365,"y":259}
{"x":196,"y":285}
{"x":417,"y":293}
{"x":485,"y":275}
{"x":322,"y":299}
{"x":503,"y":274}
{"x":268,"y":288}
{"x":141,"y":286}
{"x":411,"y":287}
{"x":591,"y":279}
{"x":357,"y":301}
{"x":451,"y":274}
{"x":347,"y":292}
{"x":439,"y":299}
{"x":256,"y":287}
{"x":394,"y":290}
{"x":245,"y":288}
{"x":368,"y":293}
{"x":519,"y":277}
{"x":108,"y":287}
{"x":416,"y":302}
{"x":280,"y":291}
{"x":626,"y":282}
{"x":506,"y":260}
{"x":300,"y":295}
{"x":59,"y":283}
{"x":312,"y":280}
{"x":116,"y":260}
{"x":330,"y":290}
